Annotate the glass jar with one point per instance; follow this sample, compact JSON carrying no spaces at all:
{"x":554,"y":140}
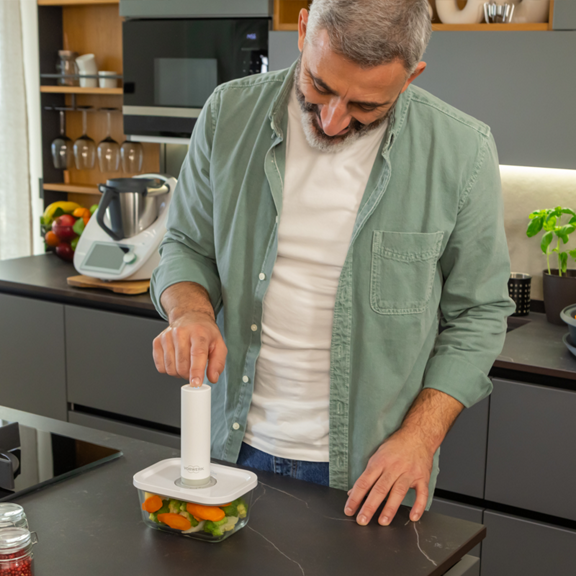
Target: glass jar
{"x":12,"y":515}
{"x":16,"y":557}
{"x":67,"y":66}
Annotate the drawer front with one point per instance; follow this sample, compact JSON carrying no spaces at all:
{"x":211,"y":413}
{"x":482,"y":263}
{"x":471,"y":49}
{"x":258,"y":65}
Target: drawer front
{"x":32,"y":360}
{"x":110,"y":366}
{"x":463,"y":453}
{"x":461,"y":511}
{"x":123,"y":429}
{"x":531,"y":456}
{"x":468,"y":566}
{"x":518,"y":547}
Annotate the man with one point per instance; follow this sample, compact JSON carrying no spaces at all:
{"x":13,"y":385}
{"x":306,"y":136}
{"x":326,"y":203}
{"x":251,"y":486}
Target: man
{"x":325,"y":219}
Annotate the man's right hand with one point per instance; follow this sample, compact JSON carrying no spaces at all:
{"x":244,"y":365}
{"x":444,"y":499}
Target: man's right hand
{"x":192,"y":345}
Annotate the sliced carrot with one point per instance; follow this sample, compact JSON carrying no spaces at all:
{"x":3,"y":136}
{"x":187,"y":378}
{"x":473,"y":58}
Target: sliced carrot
{"x":212,"y":513}
{"x":152,"y":504}
{"x":175,"y":521}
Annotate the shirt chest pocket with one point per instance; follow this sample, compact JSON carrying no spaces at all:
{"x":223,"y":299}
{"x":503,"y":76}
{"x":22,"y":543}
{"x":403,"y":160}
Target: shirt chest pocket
{"x":403,"y":268}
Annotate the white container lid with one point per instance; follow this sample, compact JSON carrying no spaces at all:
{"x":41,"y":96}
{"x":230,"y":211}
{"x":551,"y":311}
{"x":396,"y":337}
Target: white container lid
{"x":231,"y":483}
{"x":10,"y":514}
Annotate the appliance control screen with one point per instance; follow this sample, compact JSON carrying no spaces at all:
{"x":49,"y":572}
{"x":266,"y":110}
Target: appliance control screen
{"x":106,"y":257}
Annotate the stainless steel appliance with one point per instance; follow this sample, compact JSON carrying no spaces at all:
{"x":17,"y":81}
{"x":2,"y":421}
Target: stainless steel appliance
{"x":172,"y":66}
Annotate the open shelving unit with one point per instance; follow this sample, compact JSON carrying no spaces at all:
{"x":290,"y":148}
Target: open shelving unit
{"x":84,"y":26}
{"x":286,"y":18}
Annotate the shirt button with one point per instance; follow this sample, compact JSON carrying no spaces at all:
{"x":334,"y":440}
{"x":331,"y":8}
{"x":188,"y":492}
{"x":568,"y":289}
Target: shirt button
{"x":253,"y":327}
{"x":245,"y":379}
{"x":236,"y":426}
{"x":262,"y":276}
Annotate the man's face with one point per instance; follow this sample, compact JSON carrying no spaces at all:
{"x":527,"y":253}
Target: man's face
{"x":341,"y":101}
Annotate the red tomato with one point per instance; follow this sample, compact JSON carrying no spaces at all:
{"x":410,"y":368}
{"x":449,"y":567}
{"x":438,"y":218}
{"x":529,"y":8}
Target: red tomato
{"x":62,"y":227}
{"x":64,"y":250}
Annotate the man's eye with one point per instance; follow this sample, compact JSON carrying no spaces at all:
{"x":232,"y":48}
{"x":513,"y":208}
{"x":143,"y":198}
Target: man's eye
{"x":318,"y":89}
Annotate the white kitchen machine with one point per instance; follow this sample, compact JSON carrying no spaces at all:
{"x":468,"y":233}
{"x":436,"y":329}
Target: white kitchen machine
{"x":121,"y":240}
{"x":190,"y":495}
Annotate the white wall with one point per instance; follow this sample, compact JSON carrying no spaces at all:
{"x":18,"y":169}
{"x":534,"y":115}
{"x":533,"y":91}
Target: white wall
{"x":526,"y":190}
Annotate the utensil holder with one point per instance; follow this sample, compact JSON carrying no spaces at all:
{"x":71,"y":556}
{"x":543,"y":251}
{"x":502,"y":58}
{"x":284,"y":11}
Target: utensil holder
{"x":519,"y":291}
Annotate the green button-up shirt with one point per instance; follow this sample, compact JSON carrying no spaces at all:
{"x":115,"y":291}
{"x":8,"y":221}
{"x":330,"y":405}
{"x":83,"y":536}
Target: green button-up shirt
{"x":428,"y":246}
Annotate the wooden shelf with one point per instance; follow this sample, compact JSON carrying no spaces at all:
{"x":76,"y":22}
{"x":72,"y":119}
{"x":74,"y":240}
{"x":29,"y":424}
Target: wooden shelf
{"x":490,"y":27}
{"x":75,"y":188}
{"x":79,"y":90}
{"x":75,"y":2}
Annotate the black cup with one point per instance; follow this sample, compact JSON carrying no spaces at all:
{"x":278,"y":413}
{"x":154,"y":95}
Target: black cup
{"x":519,"y":291}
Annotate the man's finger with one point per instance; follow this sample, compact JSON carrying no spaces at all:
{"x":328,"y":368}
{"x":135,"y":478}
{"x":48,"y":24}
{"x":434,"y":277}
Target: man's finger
{"x":375,"y":498}
{"x":216,"y":360}
{"x":168,"y":349}
{"x":397,"y":495}
{"x":198,"y":359}
{"x":421,"y":501}
{"x":158,"y":354}
{"x":359,"y":491}
{"x":181,"y":341}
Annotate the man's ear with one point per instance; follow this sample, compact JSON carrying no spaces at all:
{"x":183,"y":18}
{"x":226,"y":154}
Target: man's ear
{"x":302,"y":26}
{"x":419,"y":69}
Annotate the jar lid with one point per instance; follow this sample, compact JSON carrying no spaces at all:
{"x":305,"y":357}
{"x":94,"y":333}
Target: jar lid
{"x":10,"y":514}
{"x":14,"y":539}
{"x":67,"y":54}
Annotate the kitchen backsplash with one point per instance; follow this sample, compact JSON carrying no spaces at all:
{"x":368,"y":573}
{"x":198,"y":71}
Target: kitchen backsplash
{"x":526,"y":190}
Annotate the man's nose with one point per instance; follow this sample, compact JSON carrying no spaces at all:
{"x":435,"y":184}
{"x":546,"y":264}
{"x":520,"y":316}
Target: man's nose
{"x":335,"y":117}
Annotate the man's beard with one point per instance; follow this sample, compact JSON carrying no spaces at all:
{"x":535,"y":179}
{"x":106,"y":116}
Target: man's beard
{"x":316,"y":137}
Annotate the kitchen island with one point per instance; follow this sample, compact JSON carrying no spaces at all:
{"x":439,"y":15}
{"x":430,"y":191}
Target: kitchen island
{"x":90,"y":524}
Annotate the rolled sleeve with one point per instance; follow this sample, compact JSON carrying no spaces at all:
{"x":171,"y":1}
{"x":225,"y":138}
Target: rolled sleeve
{"x":188,"y":251}
{"x":474,"y":305}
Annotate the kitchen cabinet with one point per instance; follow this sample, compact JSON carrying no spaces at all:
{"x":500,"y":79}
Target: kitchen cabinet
{"x":32,"y":356}
{"x":518,"y":547}
{"x":515,"y":82}
{"x":463,"y":452}
{"x":110,"y":366}
{"x":462,"y":511}
{"x":564,"y":15}
{"x":195,"y":9}
{"x":531,"y":461}
{"x":468,"y":566}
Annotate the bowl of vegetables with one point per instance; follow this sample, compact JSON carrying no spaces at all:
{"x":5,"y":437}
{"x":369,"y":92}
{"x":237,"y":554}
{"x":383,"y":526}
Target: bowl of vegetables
{"x":211,"y":513}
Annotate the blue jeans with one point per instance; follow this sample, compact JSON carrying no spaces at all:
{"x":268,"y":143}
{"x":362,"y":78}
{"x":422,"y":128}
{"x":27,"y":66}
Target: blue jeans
{"x":316,"y":472}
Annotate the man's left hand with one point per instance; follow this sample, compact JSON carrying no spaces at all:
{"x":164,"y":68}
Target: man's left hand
{"x":403,"y":461}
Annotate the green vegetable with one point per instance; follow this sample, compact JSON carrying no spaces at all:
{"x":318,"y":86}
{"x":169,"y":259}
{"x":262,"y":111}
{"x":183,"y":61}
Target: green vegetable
{"x":550,"y":221}
{"x":175,"y":506}
{"x":189,"y":516}
{"x":241,"y":507}
{"x":79,"y":226}
{"x":154,"y":516}
{"x":218,"y":528}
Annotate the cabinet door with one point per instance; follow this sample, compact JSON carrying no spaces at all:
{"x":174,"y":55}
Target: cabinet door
{"x":462,"y":511}
{"x":518,"y":547}
{"x":110,"y":366}
{"x":282,"y":49}
{"x":32,"y":361}
{"x":468,"y":566}
{"x":463,"y":453}
{"x":531,"y":460}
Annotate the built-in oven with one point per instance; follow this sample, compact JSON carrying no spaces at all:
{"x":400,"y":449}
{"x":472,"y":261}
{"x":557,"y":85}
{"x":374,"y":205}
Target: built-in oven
{"x":171,"y":67}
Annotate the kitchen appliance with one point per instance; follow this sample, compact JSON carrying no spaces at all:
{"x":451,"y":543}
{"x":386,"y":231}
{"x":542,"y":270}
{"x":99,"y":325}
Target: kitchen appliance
{"x":189,"y":495}
{"x":171,"y":67}
{"x":120,"y":242}
{"x":31,"y":458}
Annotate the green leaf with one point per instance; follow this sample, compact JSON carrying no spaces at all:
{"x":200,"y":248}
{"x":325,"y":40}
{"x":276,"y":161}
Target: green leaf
{"x":572,"y":220}
{"x":550,"y":223}
{"x":546,"y":241}
{"x":535,"y":226}
{"x":563,"y":231}
{"x":58,"y":212}
{"x":568,"y":211}
{"x":563,"y":258}
{"x":572,"y":253}
{"x":79,"y":226}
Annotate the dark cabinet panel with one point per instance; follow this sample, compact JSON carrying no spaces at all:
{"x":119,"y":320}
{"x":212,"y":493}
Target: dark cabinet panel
{"x":531,"y":459}
{"x":110,"y":366}
{"x":463,"y":453}
{"x":468,"y":566}
{"x":462,"y":511}
{"x":518,"y":547}
{"x":32,"y":357}
{"x":564,"y":15}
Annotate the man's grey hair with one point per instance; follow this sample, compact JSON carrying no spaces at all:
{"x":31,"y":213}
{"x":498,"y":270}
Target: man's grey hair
{"x":373,"y":32}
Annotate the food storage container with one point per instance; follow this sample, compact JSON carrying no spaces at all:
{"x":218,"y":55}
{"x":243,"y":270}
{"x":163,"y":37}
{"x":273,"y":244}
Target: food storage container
{"x":16,"y":558}
{"x":12,"y":515}
{"x":210,"y":513}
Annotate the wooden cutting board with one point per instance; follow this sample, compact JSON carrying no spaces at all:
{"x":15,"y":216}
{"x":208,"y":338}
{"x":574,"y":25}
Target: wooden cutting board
{"x":119,"y":287}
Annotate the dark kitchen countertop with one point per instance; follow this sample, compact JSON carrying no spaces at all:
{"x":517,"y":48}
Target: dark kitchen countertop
{"x":91,"y":525}
{"x":535,"y":347}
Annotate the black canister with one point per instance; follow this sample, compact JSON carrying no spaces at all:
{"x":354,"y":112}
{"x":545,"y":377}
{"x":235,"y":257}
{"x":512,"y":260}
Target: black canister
{"x":519,"y":291}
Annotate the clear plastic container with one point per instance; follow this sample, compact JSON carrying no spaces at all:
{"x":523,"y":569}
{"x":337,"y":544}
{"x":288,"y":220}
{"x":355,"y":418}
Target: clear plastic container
{"x":12,"y":515}
{"x":16,"y":557}
{"x":211,"y":513}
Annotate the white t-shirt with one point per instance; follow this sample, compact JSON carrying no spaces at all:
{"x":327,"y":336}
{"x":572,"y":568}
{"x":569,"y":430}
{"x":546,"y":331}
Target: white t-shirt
{"x":289,"y":414}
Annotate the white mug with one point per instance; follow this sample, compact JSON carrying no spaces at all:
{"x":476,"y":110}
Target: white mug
{"x":104,"y":81}
{"x":87,"y":65}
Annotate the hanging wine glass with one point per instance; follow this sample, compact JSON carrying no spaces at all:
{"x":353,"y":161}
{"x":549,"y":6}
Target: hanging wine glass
{"x":108,"y":149}
{"x":61,"y":147}
{"x":132,"y":154}
{"x":85,"y":147}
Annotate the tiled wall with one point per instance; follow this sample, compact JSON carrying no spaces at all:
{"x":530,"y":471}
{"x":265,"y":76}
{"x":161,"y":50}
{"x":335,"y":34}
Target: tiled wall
{"x":526,"y":190}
